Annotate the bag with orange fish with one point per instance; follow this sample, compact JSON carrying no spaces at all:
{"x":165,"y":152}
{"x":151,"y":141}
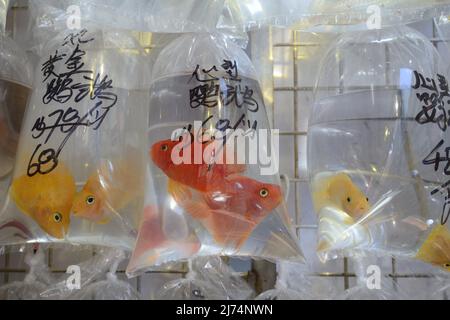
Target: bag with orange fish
{"x":214,"y":187}
{"x":378,"y":147}
{"x":79,"y":168}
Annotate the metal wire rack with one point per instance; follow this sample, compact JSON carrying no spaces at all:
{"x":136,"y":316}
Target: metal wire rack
{"x":285,"y":49}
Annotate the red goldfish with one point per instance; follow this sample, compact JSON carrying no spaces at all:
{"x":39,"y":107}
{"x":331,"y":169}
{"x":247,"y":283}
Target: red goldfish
{"x":201,"y":176}
{"x":230,"y":211}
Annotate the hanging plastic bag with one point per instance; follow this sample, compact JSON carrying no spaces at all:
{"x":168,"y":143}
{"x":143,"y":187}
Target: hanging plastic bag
{"x":376,"y":142}
{"x":207,"y":279}
{"x":78,"y":172}
{"x":109,"y":289}
{"x":34,"y":283}
{"x":378,"y":287}
{"x":205,"y":104}
{"x":296,"y":282}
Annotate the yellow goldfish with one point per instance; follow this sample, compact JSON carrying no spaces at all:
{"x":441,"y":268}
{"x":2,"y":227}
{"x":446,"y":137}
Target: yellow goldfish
{"x":339,"y":191}
{"x":109,"y":189}
{"x":436,"y":248}
{"x":47,"y":199}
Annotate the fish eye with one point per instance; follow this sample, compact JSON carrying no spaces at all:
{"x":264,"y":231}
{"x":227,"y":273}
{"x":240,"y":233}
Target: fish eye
{"x":90,"y":200}
{"x":264,"y":192}
{"x":349,"y":200}
{"x":367,"y":199}
{"x":164,"y":147}
{"x":57,"y":217}
{"x":447,"y":265}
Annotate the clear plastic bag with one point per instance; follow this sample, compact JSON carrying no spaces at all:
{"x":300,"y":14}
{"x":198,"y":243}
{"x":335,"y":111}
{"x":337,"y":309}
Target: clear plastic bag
{"x":297,"y":282}
{"x":109,"y":289}
{"x":168,"y":16}
{"x":208,"y":279}
{"x":92,"y":269}
{"x":204,"y":85}
{"x":378,"y":127}
{"x":78,"y":171}
{"x":34,"y":283}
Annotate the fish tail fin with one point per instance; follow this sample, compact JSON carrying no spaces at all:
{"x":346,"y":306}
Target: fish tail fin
{"x":179,"y":192}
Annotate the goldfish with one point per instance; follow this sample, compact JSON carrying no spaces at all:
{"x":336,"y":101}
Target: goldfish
{"x":340,"y":192}
{"x":152,"y":243}
{"x":47,"y":199}
{"x":201,"y":177}
{"x":230,"y":211}
{"x":436,"y":248}
{"x":108,"y":189}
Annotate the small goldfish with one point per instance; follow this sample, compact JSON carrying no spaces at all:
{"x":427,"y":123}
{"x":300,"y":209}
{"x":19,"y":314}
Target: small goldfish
{"x":47,"y":199}
{"x":110,"y":188}
{"x":230,"y":212}
{"x":201,"y":177}
{"x":436,"y":248}
{"x":339,"y":191}
{"x":152,"y":244}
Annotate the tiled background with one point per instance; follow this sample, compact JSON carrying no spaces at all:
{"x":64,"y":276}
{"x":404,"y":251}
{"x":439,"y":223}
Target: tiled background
{"x":287,"y":64}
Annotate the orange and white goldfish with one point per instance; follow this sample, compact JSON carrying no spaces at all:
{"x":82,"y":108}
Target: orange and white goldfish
{"x":436,"y":248}
{"x":230,"y":212}
{"x":340,"y":192}
{"x":47,"y":199}
{"x":203,"y":176}
{"x":152,"y":244}
{"x":109,"y":189}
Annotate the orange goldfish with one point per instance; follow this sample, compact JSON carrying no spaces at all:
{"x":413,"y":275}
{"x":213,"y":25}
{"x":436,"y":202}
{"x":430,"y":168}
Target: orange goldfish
{"x":436,"y":248}
{"x":230,"y":212}
{"x":152,"y":242}
{"x":201,"y":177}
{"x":47,"y":199}
{"x":340,"y":192}
{"x":113,"y":186}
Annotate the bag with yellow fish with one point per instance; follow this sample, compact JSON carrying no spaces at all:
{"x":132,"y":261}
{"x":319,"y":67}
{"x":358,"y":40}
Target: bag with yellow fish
{"x":79,"y":168}
{"x":15,"y":90}
{"x":378,"y":147}
{"x":214,"y":187}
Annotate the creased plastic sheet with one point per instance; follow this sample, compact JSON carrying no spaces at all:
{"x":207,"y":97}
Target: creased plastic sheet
{"x":111,"y":288}
{"x":208,"y":279}
{"x":35,"y":282}
{"x":297,"y":282}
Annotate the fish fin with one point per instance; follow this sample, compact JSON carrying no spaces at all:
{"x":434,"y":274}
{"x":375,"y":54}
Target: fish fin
{"x":435,"y":248}
{"x":179,"y":192}
{"x":198,"y":210}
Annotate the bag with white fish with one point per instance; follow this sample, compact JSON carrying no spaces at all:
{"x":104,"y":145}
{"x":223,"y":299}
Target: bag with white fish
{"x":208,"y":279}
{"x":214,"y":183}
{"x":377,"y":146}
{"x":78,"y":171}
